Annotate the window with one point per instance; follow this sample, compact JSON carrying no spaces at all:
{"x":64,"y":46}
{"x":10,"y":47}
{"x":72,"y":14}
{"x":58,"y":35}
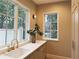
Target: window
{"x":51,"y":26}
{"x":22,"y":23}
{"x":3,"y":22}
{"x":10,"y":31}
{"x":9,"y":25}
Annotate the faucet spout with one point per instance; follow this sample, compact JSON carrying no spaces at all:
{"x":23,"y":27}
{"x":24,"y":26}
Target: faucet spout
{"x":14,"y":44}
{"x":17,"y":43}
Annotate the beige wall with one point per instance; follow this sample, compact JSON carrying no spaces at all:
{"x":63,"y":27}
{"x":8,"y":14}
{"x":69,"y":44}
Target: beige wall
{"x":32,"y":7}
{"x":63,"y":46}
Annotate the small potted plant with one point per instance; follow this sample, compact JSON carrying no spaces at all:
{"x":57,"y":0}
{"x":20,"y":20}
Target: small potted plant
{"x":33,"y":33}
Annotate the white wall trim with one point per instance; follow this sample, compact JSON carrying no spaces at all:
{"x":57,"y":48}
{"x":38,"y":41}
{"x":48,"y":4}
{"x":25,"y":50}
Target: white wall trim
{"x":20,"y":4}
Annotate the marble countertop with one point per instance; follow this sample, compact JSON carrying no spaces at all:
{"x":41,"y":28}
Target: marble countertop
{"x":27,"y":49}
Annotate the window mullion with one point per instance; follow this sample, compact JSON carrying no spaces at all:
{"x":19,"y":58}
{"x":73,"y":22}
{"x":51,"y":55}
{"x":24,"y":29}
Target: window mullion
{"x":50,"y":29}
{"x":16,"y":21}
{"x":6,"y":25}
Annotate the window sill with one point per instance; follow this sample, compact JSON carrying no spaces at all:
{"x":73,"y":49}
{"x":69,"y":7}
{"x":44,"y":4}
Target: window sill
{"x":4,"y":49}
{"x":48,"y":39}
{"x":30,"y":47}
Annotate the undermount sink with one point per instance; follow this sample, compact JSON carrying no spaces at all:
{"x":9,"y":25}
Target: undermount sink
{"x":17,"y":53}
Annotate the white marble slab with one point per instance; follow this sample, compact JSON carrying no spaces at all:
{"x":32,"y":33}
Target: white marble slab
{"x":31,"y":47}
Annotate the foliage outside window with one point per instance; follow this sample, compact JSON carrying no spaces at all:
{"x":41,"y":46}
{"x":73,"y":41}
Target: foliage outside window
{"x":21,"y":23}
{"x":51,"y":26}
{"x":7,"y":22}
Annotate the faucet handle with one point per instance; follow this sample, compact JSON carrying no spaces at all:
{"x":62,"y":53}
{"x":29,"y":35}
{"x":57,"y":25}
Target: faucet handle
{"x":14,"y":43}
{"x":9,"y":48}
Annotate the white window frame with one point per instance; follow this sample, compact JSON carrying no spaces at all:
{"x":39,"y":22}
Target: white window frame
{"x":53,"y":39}
{"x":17,"y":3}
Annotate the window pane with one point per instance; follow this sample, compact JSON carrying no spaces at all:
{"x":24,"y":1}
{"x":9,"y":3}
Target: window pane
{"x":22,"y":13}
{"x":10,"y":35}
{"x":47,"y":35}
{"x":54,"y":34}
{"x":3,"y":6}
{"x":54,"y":18}
{"x":47,"y":27}
{"x":2,"y":30}
{"x":3,"y":22}
{"x":48,"y":18}
{"x":10,"y":9}
{"x":47,"y":23}
{"x":21,"y":23}
{"x":53,"y":26}
{"x":2,"y":37}
{"x":3,"y":17}
{"x":10,"y":23}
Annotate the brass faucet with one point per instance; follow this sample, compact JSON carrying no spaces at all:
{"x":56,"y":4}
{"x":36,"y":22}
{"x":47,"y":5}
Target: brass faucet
{"x":14,"y":44}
